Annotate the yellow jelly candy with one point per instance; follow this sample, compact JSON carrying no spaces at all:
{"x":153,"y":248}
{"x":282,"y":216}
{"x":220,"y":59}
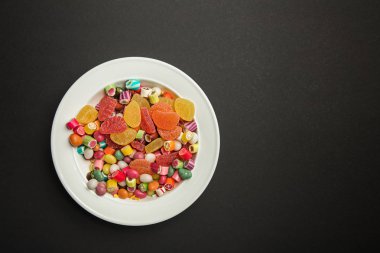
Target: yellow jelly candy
{"x":184,"y":108}
{"x":154,"y":145}
{"x":168,"y":101}
{"x":125,"y":137}
{"x":143,"y":102}
{"x":132,"y":115}
{"x":87,"y":114}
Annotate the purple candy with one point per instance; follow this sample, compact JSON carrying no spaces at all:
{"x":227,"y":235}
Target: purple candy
{"x":140,"y":194}
{"x":97,"y":106}
{"x":125,"y":97}
{"x":139,"y":155}
{"x":189,"y":164}
{"x":127,"y":159}
{"x":162,"y":180}
{"x":191,"y":126}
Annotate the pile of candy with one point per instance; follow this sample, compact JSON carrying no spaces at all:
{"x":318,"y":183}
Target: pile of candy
{"x":141,"y":141}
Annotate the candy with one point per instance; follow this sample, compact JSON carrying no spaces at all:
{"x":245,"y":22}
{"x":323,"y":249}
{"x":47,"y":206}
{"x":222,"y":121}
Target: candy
{"x":76,"y":140}
{"x":143,"y":187}
{"x":118,"y":176}
{"x":125,"y":137}
{"x":141,"y":165}
{"x":167,"y":94}
{"x":156,"y":176}
{"x":140,"y":194}
{"x":98,"y":136}
{"x":169,"y":184}
{"x":194,"y":139}
{"x":162,"y":179}
{"x":147,"y":122}
{"x":154,"y":167}
{"x":189,"y":164}
{"x":132,"y":114}
{"x":160,"y":191}
{"x":98,"y":154}
{"x":153,"y":98}
{"x":185,"y":154}
{"x":160,"y":106}
{"x":110,"y":90}
{"x":157,"y":90}
{"x":122,"y":193}
{"x":109,"y":151}
{"x":154,"y":145}
{"x":102,"y":144}
{"x":111,"y":185}
{"x":113,"y":125}
{"x":80,"y":150}
{"x":165,"y":120}
{"x":98,"y":175}
{"x":146,"y":91}
{"x":119,"y":155}
{"x":143,"y":102}
{"x":167,"y":159}
{"x":87,"y":114}
{"x":109,"y":159}
{"x":88,"y":153}
{"x":191,"y":126}
{"x":72,"y":124}
{"x":176,"y":176}
{"x":132,"y":84}
{"x":96,"y":148}
{"x":169,"y":145}
{"x":106,"y":108}
{"x":187,"y":136}
{"x":140,"y":133}
{"x":184,"y":173}
{"x":106,"y":168}
{"x":131,"y":173}
{"x":137,"y":145}
{"x":127,"y":150}
{"x":127,"y":159}
{"x":101,"y":189}
{"x":131,"y":182}
{"x":170,"y":134}
{"x":184,"y":108}
{"x":125,"y":97}
{"x":152,"y":186}
{"x":163,"y":170}
{"x":98,"y":164}
{"x":92,"y":183}
{"x":150,"y":157}
{"x":79,"y":130}
{"x":90,"y":128}
{"x":193,"y":148}
{"x":119,"y":90}
{"x":89,"y":142}
{"x":146,"y":178}
{"x":177,"y":164}
{"x":122,"y":164}
{"x":177,"y":145}
{"x":139,"y":155}
{"x":170,"y":171}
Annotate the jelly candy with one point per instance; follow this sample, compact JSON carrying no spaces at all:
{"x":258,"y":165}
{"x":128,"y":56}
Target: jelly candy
{"x":138,"y":145}
{"x":142,"y":166}
{"x":132,"y":115}
{"x":119,"y":106}
{"x":87,"y":114}
{"x":170,"y":135}
{"x":184,"y":108}
{"x":106,"y":108}
{"x":167,"y":159}
{"x":125,"y":137}
{"x":143,"y":102}
{"x":168,"y":101}
{"x":160,"y":106}
{"x":165,"y":120}
{"x":113,"y":125}
{"x":146,"y":121}
{"x":154,"y":145}
{"x":110,"y":143}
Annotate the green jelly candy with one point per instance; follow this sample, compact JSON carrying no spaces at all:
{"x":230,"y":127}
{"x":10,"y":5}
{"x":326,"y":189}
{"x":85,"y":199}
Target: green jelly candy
{"x":98,"y":175}
{"x":184,"y":173}
{"x":119,"y":156}
{"x":171,"y":171}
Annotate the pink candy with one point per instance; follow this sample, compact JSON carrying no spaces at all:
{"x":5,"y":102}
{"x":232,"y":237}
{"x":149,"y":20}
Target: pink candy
{"x":140,"y":194}
{"x":98,"y":164}
{"x":185,"y":154}
{"x":98,"y":154}
{"x":162,"y":179}
{"x":176,"y":177}
{"x":72,"y":124}
{"x":98,"y":136}
{"x":119,"y":176}
{"x":79,"y":130}
{"x":131,"y":173}
{"x":139,"y":155}
{"x":163,"y":170}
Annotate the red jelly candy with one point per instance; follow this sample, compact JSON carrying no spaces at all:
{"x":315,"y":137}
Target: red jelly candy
{"x":167,"y":159}
{"x":165,"y":120}
{"x":142,"y":166}
{"x":146,"y":121}
{"x":113,"y":125}
{"x":106,"y":107}
{"x":137,"y":145}
{"x":170,"y":135}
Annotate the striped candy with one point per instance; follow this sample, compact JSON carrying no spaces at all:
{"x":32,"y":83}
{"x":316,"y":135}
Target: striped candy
{"x":132,"y":84}
{"x":189,"y":164}
{"x":191,"y":126}
{"x":125,"y":97}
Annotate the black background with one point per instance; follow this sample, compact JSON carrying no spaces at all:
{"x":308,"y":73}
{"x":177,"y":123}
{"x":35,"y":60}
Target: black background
{"x":295,"y":87}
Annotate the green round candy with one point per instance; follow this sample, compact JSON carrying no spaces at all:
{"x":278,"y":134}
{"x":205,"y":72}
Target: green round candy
{"x":143,"y":187}
{"x":171,"y":171}
{"x":98,"y":175}
{"x":184,"y":173}
{"x":119,"y":156}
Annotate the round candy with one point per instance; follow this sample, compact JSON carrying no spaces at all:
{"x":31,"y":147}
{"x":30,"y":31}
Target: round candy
{"x":122,"y":164}
{"x":150,"y":157}
{"x":123,"y":193}
{"x":140,"y":194}
{"x":92,"y":183}
{"x":75,"y":140}
{"x":101,"y":189}
{"x":138,"y":155}
{"x":132,"y":173}
{"x":184,"y":173}
{"x":146,"y":178}
{"x":152,"y":186}
{"x":88,"y":153}
{"x":106,"y":168}
{"x":111,"y":185}
{"x":119,"y":155}
{"x":109,"y":159}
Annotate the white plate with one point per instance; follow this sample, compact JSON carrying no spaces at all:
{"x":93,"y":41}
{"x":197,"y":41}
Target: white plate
{"x":72,"y":170}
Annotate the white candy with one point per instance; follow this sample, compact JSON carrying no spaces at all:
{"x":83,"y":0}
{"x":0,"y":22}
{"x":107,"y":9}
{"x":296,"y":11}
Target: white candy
{"x":119,"y":115}
{"x":160,"y":191}
{"x":92,"y":183}
{"x":88,"y":153}
{"x":122,"y":183}
{"x":122,"y":164}
{"x":150,"y":157}
{"x":146,"y":91}
{"x":146,"y":178}
{"x":114,"y":167}
{"x":194,"y":139}
{"x":180,"y":137}
{"x":157,"y":90}
{"x":177,"y":145}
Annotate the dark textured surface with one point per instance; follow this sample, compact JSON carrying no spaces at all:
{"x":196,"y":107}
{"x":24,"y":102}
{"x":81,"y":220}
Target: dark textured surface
{"x":299,"y":160}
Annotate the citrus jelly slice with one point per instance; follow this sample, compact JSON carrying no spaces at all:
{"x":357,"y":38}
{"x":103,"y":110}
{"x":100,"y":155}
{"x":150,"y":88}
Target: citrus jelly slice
{"x":184,"y":108}
{"x":87,"y":114}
